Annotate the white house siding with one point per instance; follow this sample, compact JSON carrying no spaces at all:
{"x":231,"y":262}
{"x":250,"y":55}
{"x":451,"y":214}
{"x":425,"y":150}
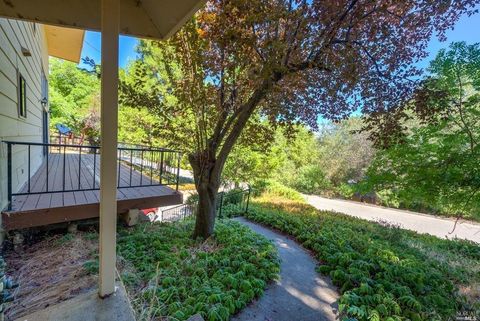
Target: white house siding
{"x":13,"y":36}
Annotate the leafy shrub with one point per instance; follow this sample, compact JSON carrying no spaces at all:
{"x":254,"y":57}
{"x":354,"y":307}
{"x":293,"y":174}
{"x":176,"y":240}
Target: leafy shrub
{"x":192,"y":199}
{"x":232,"y":210}
{"x":172,"y":276}
{"x":382,"y":273}
{"x":345,"y":191}
{"x":234,"y":196}
{"x":312,"y":180}
{"x":259,"y":187}
{"x":273,"y":188}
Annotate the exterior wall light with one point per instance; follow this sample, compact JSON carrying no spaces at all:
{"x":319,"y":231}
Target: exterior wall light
{"x":26,"y":52}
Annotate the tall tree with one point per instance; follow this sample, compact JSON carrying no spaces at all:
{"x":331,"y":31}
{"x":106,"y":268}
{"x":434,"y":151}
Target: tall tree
{"x":345,"y":152}
{"x":289,"y":61}
{"x":434,"y":165}
{"x":72,"y":93}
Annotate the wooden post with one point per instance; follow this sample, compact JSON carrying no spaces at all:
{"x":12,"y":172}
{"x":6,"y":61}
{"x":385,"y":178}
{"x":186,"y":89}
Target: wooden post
{"x":108,"y":152}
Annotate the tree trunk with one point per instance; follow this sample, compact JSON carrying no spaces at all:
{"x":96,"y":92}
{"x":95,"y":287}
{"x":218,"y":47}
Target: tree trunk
{"x":208,"y":166}
{"x":207,"y":182}
{"x":206,"y":211}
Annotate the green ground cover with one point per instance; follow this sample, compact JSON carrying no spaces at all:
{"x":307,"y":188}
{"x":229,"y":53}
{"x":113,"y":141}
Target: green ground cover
{"x":382,"y":272}
{"x":171,"y":276}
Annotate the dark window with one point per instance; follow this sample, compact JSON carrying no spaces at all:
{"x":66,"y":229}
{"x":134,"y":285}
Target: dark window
{"x":22,"y":97}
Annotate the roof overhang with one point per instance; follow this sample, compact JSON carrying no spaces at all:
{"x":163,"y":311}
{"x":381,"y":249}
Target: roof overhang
{"x":65,"y":43}
{"x":155,"y":19}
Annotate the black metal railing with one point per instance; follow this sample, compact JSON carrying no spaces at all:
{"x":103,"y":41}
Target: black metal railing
{"x":233,"y":202}
{"x":230,"y":203}
{"x":53,"y":168}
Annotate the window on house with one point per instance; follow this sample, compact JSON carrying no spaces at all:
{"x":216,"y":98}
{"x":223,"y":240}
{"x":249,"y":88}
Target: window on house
{"x":22,"y":97}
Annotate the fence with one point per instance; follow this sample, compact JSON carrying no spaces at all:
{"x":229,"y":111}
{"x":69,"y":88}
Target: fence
{"x":228,"y":204}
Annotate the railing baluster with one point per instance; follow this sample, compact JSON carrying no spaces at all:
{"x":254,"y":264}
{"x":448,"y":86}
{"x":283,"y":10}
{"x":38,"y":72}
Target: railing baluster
{"x":64,"y":165}
{"x":161,"y":166}
{"x":47,"y":173}
{"x":79,"y":166}
{"x":94,"y":166}
{"x":118,"y":163}
{"x":167,"y":165}
{"x":178,"y":170}
{"x":131,"y":166}
{"x":29,"y":168}
{"x":9,"y":175}
{"x":141,"y":169}
{"x":248,"y":199}
{"x":151,"y":167}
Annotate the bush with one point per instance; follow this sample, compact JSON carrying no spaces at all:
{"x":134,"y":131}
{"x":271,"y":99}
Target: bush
{"x":233,"y":196}
{"x":345,"y":191}
{"x":192,"y":199}
{"x":312,"y":180}
{"x":273,"y":188}
{"x":383,"y":273}
{"x":171,"y":276}
{"x":232,"y":210}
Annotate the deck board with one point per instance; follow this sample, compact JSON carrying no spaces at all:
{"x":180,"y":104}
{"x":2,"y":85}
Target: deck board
{"x":60,"y":206}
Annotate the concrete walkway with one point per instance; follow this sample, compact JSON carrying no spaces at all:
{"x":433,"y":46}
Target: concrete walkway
{"x":88,"y":307}
{"x":422,"y":223}
{"x":300,"y":294}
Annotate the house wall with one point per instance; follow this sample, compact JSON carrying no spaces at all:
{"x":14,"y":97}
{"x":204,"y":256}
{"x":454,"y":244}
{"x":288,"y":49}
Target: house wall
{"x":14,"y":35}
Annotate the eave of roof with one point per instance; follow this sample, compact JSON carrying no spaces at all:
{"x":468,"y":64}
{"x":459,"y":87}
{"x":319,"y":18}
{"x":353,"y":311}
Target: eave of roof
{"x":152,"y":19}
{"x":65,"y":43}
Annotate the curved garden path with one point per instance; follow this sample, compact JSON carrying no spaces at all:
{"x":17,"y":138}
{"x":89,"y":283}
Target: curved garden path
{"x":300,"y":294}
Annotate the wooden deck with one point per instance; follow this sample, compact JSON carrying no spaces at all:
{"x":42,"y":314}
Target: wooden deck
{"x":73,"y":194}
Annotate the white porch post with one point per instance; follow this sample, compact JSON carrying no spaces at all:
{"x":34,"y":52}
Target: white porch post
{"x":108,"y":155}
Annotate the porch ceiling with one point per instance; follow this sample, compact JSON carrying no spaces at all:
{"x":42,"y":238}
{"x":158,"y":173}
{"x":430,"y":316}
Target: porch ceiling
{"x":155,"y":19}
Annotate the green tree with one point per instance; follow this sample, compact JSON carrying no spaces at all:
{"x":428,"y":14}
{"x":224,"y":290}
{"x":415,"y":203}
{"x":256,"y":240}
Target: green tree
{"x":293,"y":154}
{"x":345,"y":153}
{"x":139,"y":126}
{"x":73,"y":93}
{"x":282,"y":158}
{"x":288,"y":61}
{"x":435,"y":166}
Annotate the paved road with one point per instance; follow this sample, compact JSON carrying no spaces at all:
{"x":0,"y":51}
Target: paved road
{"x":300,"y":294}
{"x":422,"y":223}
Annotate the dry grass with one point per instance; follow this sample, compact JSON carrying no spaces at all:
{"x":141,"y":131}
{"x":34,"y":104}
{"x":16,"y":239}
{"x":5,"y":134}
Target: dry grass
{"x":185,"y":187}
{"x":49,"y":272}
{"x":455,"y":261}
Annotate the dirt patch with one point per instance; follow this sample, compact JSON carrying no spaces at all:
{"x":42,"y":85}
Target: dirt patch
{"x":50,"y":271}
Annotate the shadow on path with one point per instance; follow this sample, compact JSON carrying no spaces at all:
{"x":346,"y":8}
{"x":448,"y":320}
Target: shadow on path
{"x":301,"y":293}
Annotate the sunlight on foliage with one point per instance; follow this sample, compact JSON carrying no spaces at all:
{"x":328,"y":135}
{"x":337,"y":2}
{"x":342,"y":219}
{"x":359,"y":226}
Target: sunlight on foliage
{"x":383,"y":273}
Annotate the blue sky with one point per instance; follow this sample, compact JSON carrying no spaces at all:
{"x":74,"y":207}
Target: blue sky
{"x":466,"y":29}
{"x":92,"y":45}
